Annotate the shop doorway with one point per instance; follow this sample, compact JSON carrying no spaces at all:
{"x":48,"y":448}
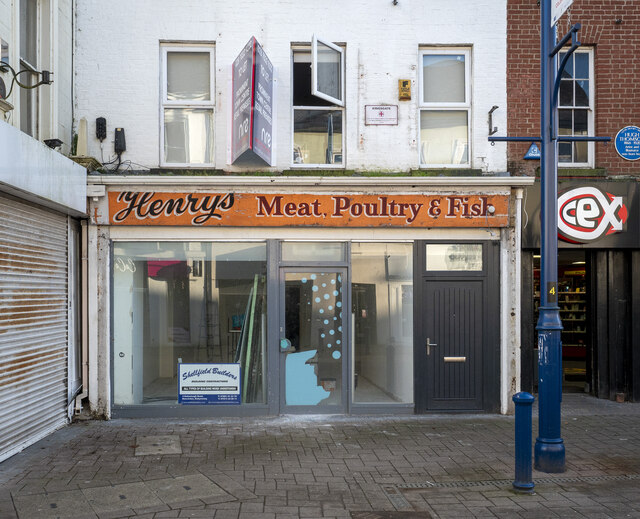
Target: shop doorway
{"x":313,"y":340}
{"x":573,"y":296}
{"x":458,"y":348}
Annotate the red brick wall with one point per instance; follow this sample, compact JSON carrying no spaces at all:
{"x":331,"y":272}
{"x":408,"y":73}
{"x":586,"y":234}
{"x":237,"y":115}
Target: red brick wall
{"x":612,"y":28}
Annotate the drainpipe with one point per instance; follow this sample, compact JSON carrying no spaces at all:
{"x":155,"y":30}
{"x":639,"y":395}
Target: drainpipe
{"x":517,"y":335}
{"x":85,"y":320}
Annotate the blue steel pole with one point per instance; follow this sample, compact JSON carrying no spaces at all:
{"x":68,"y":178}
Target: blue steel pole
{"x":549,"y":449}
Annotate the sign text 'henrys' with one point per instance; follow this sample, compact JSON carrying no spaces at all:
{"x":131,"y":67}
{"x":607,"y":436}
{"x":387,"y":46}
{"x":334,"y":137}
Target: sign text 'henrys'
{"x":320,"y":210}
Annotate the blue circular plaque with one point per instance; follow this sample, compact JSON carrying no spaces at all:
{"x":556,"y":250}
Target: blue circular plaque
{"x":628,"y":143}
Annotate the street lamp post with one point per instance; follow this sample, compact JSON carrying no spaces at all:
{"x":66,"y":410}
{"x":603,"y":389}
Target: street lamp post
{"x":549,"y":453}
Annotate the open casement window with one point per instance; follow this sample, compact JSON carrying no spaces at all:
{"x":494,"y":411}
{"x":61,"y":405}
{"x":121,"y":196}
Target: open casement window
{"x":187,"y":107}
{"x":445,"y":107}
{"x":575,"y":109}
{"x":327,"y":71}
{"x":318,"y":105}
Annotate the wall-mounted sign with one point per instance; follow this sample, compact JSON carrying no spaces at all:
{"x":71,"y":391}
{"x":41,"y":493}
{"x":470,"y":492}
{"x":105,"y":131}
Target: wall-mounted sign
{"x":586,"y":213}
{"x":628,"y":143}
{"x":252,"y":103}
{"x":200,"y":384}
{"x":590,"y":214}
{"x":404,"y":89}
{"x":558,"y":8}
{"x":533,"y":153}
{"x":381,"y":114}
{"x":307,"y":209}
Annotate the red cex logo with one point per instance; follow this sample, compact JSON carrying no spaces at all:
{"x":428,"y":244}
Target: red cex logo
{"x":586,"y":213}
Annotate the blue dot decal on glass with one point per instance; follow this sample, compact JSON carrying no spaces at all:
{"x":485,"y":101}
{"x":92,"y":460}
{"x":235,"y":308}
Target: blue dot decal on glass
{"x":317,"y":299}
{"x":338,"y":341}
{"x":335,"y":292}
{"x":329,"y":345}
{"x":313,"y":276}
{"x":324,"y":285}
{"x":304,"y":280}
{"x":340,"y":278}
{"x":339,"y":305}
{"x":339,"y":328}
{"x":331,"y":332}
{"x":330,"y":307}
{"x":326,"y":296}
{"x":335,"y":318}
{"x":322,"y":335}
{"x":315,"y":288}
{"x":321,"y":310}
{"x":326,"y":321}
{"x":336,"y":354}
{"x":333,"y":281}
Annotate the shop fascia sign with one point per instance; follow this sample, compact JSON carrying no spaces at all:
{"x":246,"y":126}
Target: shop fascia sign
{"x":586,"y":214}
{"x":307,"y":209}
{"x":252,"y":104}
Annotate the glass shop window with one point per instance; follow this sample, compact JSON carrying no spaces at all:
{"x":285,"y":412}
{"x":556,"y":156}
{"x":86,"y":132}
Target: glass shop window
{"x":318,"y":105}
{"x":382,"y":309}
{"x":186,"y":302}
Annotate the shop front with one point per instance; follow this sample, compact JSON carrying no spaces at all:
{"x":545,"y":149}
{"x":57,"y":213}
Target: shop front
{"x":598,"y":281}
{"x":266,"y":296}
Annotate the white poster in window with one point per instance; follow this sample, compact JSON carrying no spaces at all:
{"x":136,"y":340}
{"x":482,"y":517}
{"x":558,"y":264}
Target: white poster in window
{"x":202,"y":384}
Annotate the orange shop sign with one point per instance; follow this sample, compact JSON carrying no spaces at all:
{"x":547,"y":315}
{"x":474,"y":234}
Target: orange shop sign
{"x":319,"y":210}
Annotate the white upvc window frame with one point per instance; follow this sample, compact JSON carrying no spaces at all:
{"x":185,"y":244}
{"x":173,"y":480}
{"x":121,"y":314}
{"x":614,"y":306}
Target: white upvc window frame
{"x":590,"y":112}
{"x":314,"y":71}
{"x":338,"y":105}
{"x":29,"y":99}
{"x":465,"y":105}
{"x":209,"y":104}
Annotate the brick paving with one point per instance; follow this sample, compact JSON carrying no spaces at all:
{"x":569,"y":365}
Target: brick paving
{"x":330,"y":466}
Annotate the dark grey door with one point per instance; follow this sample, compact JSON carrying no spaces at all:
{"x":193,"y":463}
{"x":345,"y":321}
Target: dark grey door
{"x":453,"y":338}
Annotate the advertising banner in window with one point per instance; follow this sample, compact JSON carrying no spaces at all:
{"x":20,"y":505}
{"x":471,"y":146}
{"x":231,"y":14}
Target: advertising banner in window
{"x":308,"y":209}
{"x":591,"y":214}
{"x":200,"y":384}
{"x":252,"y":103}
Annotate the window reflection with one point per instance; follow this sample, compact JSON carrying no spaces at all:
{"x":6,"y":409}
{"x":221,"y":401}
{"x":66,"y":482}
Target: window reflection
{"x":186,"y":302}
{"x":382,"y":309}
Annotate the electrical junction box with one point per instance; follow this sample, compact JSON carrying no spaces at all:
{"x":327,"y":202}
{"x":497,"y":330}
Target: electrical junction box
{"x":404,"y":89}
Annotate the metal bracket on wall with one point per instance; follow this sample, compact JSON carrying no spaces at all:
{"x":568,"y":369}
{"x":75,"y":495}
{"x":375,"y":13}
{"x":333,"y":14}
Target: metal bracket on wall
{"x":492,"y":129}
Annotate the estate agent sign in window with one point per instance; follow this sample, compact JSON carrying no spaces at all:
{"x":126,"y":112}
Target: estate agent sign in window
{"x":445,"y":105}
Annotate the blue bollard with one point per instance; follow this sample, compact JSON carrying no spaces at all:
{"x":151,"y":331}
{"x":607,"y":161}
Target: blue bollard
{"x":523,"y":481}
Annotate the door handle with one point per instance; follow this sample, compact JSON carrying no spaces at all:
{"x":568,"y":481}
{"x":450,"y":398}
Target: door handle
{"x":429,"y":345}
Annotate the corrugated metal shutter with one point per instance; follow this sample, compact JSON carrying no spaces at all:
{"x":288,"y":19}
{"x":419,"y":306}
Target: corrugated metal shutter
{"x":33,"y":324}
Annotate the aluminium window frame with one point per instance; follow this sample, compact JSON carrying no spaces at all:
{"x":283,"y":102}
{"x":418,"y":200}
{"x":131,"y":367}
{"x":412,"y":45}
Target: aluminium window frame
{"x":165,"y":48}
{"x":466,"y":105}
{"x":590,"y":111}
{"x":308,"y":50}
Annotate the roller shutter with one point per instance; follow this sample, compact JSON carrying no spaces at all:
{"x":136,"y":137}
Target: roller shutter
{"x":33,"y":323}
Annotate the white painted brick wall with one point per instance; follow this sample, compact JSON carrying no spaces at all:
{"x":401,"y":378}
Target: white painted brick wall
{"x":118,"y":51}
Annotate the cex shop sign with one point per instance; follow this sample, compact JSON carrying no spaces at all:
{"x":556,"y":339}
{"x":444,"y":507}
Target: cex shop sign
{"x":586,"y":214}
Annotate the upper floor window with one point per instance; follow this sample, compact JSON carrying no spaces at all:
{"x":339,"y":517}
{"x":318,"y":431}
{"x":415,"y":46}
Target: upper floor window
{"x":29,"y":64}
{"x":445,"y":107}
{"x":187,"y":106}
{"x":575,"y":108}
{"x":318,"y":105}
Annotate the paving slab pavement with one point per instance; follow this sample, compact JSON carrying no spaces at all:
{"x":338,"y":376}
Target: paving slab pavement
{"x":364,"y":467}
